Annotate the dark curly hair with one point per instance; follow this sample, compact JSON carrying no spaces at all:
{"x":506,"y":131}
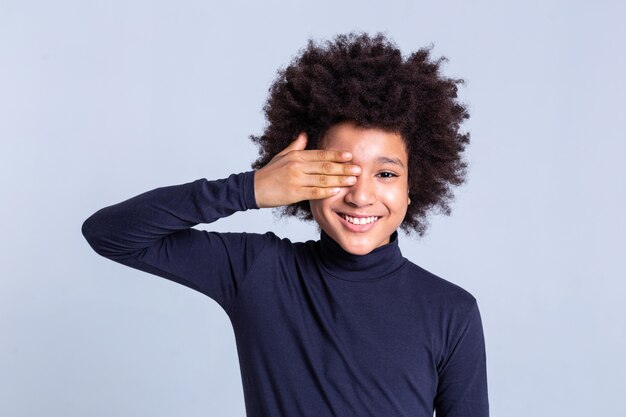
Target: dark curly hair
{"x":365,"y":80}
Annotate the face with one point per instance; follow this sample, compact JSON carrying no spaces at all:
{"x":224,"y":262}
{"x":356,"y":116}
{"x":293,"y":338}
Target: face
{"x":380,"y":192}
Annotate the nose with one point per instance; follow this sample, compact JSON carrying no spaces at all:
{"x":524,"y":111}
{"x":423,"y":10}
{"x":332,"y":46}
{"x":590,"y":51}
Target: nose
{"x":362,"y":193}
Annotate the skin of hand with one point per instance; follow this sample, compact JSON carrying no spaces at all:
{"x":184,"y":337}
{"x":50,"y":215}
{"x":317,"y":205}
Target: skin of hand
{"x":296,"y":174}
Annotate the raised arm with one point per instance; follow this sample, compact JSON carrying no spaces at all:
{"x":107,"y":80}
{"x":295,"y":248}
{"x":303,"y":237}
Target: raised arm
{"x":153,"y":232}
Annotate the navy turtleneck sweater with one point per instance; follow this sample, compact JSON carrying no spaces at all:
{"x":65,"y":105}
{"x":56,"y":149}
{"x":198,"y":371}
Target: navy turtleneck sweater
{"x":320,"y":332}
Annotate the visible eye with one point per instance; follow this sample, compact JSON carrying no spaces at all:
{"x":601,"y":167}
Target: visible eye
{"x":387,"y":174}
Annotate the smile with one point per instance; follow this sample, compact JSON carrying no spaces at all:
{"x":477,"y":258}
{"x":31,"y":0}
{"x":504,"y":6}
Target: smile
{"x":358,"y":220}
{"x":357,"y":224}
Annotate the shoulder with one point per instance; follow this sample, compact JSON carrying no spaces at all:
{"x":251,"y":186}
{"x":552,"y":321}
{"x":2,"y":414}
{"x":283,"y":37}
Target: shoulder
{"x":439,"y":291}
{"x":453,"y":309}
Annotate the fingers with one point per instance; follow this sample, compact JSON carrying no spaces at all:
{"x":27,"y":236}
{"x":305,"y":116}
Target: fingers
{"x":330,"y":168}
{"x":316,"y":193}
{"x":328,"y":181}
{"x":316,"y":173}
{"x":324,"y":174}
{"x":325,"y":155}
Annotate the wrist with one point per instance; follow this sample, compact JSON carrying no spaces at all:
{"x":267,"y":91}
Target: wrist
{"x":256,"y":189}
{"x":249,"y":198}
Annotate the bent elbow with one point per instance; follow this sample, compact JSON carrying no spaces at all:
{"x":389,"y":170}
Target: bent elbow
{"x":92,"y":233}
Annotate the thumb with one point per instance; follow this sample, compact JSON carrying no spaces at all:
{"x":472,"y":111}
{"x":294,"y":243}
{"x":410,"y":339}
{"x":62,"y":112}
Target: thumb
{"x":297,"y":145}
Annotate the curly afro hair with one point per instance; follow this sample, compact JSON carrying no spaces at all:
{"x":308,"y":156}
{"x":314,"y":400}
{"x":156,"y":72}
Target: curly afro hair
{"x":365,"y":80}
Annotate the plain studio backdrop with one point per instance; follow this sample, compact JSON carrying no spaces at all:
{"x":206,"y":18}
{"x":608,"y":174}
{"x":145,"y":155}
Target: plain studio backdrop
{"x":103,"y":100}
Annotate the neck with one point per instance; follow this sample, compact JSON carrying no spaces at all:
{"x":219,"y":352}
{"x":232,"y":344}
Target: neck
{"x":380,"y":262}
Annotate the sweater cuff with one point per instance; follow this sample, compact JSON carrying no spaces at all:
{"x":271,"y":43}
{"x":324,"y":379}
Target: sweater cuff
{"x":248,"y":190}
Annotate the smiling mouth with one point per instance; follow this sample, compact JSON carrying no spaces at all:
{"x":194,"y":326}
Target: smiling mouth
{"x":358,"y":221}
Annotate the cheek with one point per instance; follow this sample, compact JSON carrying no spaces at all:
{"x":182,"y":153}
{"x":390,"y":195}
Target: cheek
{"x":396,"y":199}
{"x":318,"y":208}
{"x":322,"y":208}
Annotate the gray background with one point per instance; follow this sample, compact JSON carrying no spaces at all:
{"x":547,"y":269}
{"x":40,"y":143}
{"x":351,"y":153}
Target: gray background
{"x":102,"y":100}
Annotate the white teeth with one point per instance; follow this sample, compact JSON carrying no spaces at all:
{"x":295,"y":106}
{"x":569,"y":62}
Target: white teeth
{"x":362,"y":220}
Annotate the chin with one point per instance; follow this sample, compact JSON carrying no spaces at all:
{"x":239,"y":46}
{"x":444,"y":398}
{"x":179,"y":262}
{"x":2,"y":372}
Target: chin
{"x":360,"y":251}
{"x":356,"y":248}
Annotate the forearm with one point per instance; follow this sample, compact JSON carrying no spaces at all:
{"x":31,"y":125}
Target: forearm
{"x":122,"y":229}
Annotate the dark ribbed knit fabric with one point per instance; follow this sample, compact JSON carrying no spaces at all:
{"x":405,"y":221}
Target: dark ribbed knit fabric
{"x":320,"y":332}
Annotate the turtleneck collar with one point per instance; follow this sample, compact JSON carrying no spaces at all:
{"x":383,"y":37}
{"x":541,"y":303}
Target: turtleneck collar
{"x":382,"y":261}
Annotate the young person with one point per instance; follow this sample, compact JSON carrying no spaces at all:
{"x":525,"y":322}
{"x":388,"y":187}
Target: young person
{"x":363,"y":142}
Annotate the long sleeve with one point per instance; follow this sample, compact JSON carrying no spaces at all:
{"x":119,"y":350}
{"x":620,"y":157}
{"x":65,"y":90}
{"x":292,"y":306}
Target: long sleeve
{"x":462,"y":385}
{"x":153,"y":232}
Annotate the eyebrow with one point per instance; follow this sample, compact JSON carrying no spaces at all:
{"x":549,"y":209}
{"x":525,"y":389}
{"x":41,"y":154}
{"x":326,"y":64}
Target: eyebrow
{"x":388,"y":160}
